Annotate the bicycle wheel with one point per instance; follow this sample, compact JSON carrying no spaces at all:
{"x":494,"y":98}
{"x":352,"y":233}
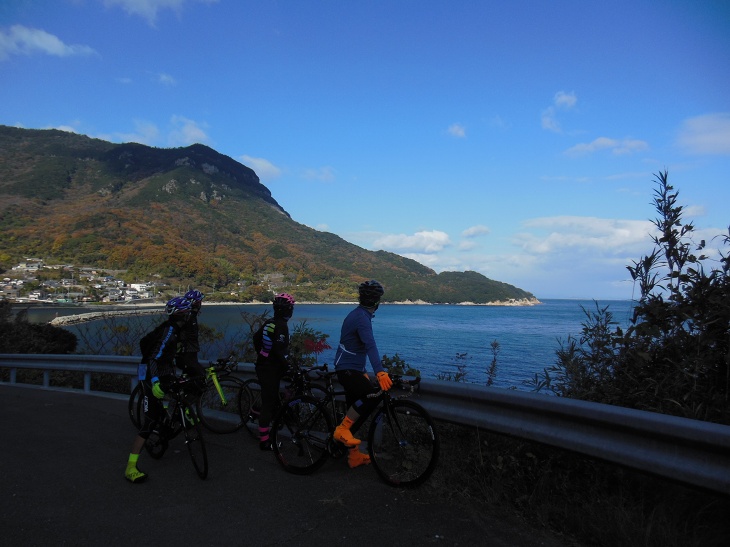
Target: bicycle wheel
{"x":196,"y":444}
{"x":134,"y":406}
{"x":219,"y":415}
{"x":250,"y":406}
{"x":299,"y":435}
{"x":403,"y":443}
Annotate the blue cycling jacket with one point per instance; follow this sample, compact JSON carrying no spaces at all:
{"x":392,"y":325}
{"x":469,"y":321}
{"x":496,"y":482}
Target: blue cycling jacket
{"x":357,"y":343}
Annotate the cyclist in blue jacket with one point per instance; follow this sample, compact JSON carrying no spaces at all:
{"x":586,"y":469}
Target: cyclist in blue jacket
{"x":357,"y":345}
{"x":157,"y":373}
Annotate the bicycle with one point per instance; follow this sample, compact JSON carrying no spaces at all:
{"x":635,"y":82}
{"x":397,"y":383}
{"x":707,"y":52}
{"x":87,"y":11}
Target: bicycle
{"x":297,"y":382}
{"x":402,"y":440}
{"x":181,"y":416}
{"x":219,"y":405}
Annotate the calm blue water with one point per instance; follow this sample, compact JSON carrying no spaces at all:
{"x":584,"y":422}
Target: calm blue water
{"x":430,"y":337}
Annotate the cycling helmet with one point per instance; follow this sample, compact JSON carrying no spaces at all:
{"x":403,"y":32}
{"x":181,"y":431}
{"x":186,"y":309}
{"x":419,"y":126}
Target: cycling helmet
{"x":178,"y":306}
{"x":284,"y":304}
{"x":195,"y":297}
{"x":370,"y":293}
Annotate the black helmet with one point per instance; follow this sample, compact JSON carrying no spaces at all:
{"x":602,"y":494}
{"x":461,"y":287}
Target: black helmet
{"x":370,"y":293}
{"x":284,"y":304}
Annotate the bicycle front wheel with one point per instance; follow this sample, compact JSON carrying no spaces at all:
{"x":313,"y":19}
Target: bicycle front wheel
{"x":300,"y":433}
{"x":403,"y":443}
{"x":134,"y":405}
{"x":196,"y":444}
{"x":250,"y":406}
{"x":221,"y":412}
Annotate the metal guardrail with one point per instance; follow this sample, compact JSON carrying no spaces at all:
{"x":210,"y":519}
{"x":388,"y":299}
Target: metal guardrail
{"x":689,"y":451}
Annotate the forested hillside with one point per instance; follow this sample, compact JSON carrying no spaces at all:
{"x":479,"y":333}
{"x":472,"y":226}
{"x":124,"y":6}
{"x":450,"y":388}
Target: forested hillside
{"x":189,"y":215}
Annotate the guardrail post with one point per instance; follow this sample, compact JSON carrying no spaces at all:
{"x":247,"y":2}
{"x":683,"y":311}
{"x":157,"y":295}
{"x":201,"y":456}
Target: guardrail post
{"x":13,"y":375}
{"x":87,"y":382}
{"x":46,"y":378}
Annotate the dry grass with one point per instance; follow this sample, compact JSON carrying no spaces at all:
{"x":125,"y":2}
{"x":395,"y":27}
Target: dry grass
{"x":595,"y":502}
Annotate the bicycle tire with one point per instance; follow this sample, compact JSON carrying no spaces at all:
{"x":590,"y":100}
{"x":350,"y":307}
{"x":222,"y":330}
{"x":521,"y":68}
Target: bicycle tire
{"x":134,"y":405}
{"x":217,"y":416}
{"x":195,"y":442}
{"x":250,"y":406}
{"x":300,"y":434}
{"x":403,"y":443}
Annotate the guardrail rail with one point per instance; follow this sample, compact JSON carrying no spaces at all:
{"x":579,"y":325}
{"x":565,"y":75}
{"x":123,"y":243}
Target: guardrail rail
{"x":689,"y":451}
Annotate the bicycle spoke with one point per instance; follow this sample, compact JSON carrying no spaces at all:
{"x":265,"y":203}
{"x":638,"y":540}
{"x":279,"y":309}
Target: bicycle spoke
{"x":219,"y":411}
{"x":300,"y":434}
{"x":403,"y":444}
{"x":196,"y":447}
{"x":250,"y":406}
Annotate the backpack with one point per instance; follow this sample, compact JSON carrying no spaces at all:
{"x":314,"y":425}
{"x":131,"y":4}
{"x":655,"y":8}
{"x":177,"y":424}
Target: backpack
{"x":149,"y":341}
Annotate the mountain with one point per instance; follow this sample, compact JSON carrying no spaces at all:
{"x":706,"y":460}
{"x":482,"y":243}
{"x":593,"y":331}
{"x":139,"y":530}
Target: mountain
{"x":191,"y":216}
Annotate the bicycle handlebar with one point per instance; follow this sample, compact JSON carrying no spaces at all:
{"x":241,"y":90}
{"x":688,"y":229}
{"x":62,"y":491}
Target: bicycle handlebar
{"x":225,"y":363}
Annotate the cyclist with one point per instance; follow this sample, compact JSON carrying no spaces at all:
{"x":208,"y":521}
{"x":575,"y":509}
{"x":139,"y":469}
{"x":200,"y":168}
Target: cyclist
{"x":157,"y":373}
{"x":187,"y":357}
{"x":357,"y":344}
{"x":271,"y":342}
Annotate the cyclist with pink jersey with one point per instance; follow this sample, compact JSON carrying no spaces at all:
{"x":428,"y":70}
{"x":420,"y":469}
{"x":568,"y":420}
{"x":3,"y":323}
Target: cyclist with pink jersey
{"x":271,"y":342}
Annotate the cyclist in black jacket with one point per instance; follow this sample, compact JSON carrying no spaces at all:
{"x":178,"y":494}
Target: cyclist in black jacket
{"x":271,"y":342}
{"x":157,"y":373}
{"x":189,"y":346}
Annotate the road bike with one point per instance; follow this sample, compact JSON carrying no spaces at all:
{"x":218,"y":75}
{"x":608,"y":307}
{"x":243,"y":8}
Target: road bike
{"x":297,"y":381}
{"x":402,"y":439}
{"x":219,"y":404}
{"x":181,"y":416}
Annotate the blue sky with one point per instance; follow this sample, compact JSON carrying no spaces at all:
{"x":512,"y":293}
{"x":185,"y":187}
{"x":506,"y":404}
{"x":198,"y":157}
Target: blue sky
{"x":517,"y":139}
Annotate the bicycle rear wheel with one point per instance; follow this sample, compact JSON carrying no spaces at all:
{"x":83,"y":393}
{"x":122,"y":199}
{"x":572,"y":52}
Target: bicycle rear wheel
{"x":250,"y":406}
{"x":196,"y":444}
{"x":134,"y":406}
{"x":300,"y":433}
{"x":222,"y":415}
{"x":403,"y":443}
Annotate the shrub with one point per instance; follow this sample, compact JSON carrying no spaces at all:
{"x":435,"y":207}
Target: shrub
{"x":674,"y":357}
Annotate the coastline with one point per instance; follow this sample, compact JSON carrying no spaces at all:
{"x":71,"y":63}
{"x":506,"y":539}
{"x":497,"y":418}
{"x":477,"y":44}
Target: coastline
{"x":150,"y":308}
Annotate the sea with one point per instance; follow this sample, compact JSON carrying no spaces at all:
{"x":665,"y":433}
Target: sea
{"x":438,"y":340}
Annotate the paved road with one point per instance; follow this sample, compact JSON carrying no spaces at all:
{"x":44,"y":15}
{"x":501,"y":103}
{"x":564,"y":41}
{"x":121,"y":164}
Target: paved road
{"x":62,"y":457}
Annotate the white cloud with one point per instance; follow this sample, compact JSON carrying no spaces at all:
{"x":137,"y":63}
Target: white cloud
{"x":166,"y":79}
{"x":322,"y":174}
{"x":145,"y":133}
{"x":565,"y":100}
{"x":263,"y":167}
{"x":475,"y":231}
{"x":561,"y":101}
{"x":21,"y":40}
{"x":149,"y":9}
{"x":557,"y":234}
{"x":431,"y":241}
{"x":186,"y":132}
{"x":616,"y":146}
{"x":708,"y":134}
{"x":457,"y":130}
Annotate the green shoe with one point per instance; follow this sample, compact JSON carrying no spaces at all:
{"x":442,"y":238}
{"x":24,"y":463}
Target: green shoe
{"x":135,"y":475}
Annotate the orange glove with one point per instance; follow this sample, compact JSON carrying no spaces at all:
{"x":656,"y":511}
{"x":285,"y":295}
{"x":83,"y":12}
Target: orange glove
{"x":384,"y":380}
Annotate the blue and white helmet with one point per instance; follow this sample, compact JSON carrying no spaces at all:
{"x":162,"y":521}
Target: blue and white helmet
{"x":178,"y":306}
